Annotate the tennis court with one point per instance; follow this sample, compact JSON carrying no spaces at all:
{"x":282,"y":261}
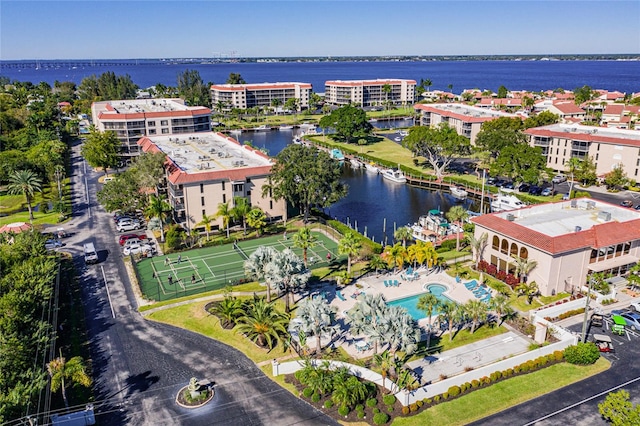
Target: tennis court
{"x":199,"y":270}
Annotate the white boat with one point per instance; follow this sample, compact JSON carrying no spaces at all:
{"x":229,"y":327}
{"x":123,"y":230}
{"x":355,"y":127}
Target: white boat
{"x":372,"y":168}
{"x":355,"y":163}
{"x":505,"y":202}
{"x":459,"y":192}
{"x":261,"y":128}
{"x":394,"y":175}
{"x":421,"y":234}
{"x":285,"y":127}
{"x":403,"y":133}
{"x":235,"y":131}
{"x":297,"y":140}
{"x":397,"y":139}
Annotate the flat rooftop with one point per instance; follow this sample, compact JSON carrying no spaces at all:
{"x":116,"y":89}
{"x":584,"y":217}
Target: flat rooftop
{"x":207,"y":151}
{"x":556,"y":219}
{"x":469,"y":111}
{"x":148,"y":105}
{"x":576,"y":130}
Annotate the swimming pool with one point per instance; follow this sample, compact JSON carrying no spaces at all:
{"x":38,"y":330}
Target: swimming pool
{"x":410,"y":303}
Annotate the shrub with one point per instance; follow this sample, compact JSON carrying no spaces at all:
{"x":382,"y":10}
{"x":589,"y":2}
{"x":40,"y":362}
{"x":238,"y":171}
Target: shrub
{"x":436,"y":398}
{"x":483,"y":265}
{"x":359,"y":407}
{"x":582,"y":353}
{"x":380,"y":418}
{"x":465,"y":387}
{"x":558,"y":355}
{"x":413,"y":407}
{"x":511,"y":280}
{"x":445,"y":395}
{"x":492,"y":270}
{"x":343,"y":410}
{"x":501,"y":275}
{"x":307,"y":392}
{"x":360,"y":414}
{"x":405,"y":410}
{"x":509,"y":372}
{"x":427,"y":401}
{"x":389,"y":399}
{"x":328,"y":404}
{"x":372,"y":402}
{"x":315,"y":397}
{"x":376,"y":410}
{"x":419,"y":403}
{"x":454,"y":390}
{"x":475,"y":383}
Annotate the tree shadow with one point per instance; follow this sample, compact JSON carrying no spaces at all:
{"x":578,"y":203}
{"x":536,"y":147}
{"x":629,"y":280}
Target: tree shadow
{"x":140,"y":382}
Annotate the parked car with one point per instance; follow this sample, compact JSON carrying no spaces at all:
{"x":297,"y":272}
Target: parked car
{"x":524,"y":187}
{"x":125,"y":237}
{"x":637,"y":207}
{"x":627,"y":203}
{"x":128,"y":225}
{"x":566,"y":197}
{"x":632,"y":319}
{"x":635,"y":306}
{"x":547,"y":192}
{"x":559,"y":179}
{"x":132,"y":242}
{"x":52,"y":244}
{"x":146,"y":249}
{"x":535,"y":190}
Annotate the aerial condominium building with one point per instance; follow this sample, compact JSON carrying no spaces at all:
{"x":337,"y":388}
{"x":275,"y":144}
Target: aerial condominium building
{"x":369,"y":93}
{"x":245,"y":96}
{"x":608,"y":147}
{"x":569,"y":240}
{"x":132,"y":119}
{"x":467,"y":120}
{"x":204,"y":170}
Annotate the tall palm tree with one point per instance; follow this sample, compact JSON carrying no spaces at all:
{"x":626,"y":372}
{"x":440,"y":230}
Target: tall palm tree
{"x":349,"y":245}
{"x":316,"y":318}
{"x":500,"y":305}
{"x":275,"y":103}
{"x":257,"y":220}
{"x":263,"y":323}
{"x":240,"y":210}
{"x":403,"y":234}
{"x":530,"y":290}
{"x":224,"y":211}
{"x":428,"y":303}
{"x":402,"y":332}
{"x":477,"y":246}
{"x":383,"y":361}
{"x":386,"y":89}
{"x":369,"y":316}
{"x":523,"y":266}
{"x":206,"y":221}
{"x":395,"y":255}
{"x":288,"y":270}
{"x":73,"y":370}
{"x":376,"y":263}
{"x":255,"y":267}
{"x":25,"y":182}
{"x":304,"y":240}
{"x":448,"y":311}
{"x":158,"y":207}
{"x":477,"y":311}
{"x":457,"y":214}
{"x":428,"y":83}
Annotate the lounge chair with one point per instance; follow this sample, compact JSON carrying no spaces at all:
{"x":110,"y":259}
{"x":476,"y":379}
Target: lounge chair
{"x":396,"y":283}
{"x":386,"y":283}
{"x":340,"y":296}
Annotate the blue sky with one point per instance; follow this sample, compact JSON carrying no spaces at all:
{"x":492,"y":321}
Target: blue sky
{"x":159,"y":29}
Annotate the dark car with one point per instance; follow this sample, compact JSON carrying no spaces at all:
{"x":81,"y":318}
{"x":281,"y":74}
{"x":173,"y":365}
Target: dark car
{"x":535,"y":190}
{"x":627,"y":203}
{"x":547,"y":192}
{"x":508,"y":185}
{"x":524,"y":187}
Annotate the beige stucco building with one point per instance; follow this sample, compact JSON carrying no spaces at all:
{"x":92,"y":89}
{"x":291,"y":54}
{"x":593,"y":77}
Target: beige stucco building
{"x":608,"y":147}
{"x":245,"y":96}
{"x":569,"y":240}
{"x":204,"y":170}
{"x":367,"y":93}
{"x":132,"y":119}
{"x":466,"y":119}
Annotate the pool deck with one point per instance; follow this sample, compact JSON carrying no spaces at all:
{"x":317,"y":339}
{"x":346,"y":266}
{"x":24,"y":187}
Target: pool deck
{"x":375,"y":284}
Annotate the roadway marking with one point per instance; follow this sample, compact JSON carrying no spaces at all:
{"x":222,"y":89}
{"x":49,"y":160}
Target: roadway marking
{"x":108,"y":294}
{"x":583,"y":401}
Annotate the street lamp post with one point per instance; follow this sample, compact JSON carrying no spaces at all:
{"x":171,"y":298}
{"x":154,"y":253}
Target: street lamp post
{"x":586,"y":312}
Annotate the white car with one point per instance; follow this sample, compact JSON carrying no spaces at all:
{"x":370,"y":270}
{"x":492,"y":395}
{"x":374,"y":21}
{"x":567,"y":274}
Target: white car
{"x":559,"y":179}
{"x":52,"y":244}
{"x":128,"y":225}
{"x":145,"y":249}
{"x":131,"y":242}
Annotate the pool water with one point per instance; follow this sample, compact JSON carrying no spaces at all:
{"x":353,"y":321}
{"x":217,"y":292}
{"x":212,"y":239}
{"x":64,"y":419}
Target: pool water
{"x":411,"y":303}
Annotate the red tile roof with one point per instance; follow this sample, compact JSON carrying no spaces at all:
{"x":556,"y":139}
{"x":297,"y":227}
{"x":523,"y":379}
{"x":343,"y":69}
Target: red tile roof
{"x":568,"y":107}
{"x":584,"y":137}
{"x":445,"y":113}
{"x":615,"y":109}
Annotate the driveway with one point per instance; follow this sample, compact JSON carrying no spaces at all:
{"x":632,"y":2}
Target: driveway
{"x":139,"y":365}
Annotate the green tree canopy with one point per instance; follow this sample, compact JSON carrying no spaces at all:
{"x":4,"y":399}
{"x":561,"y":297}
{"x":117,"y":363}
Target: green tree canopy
{"x":305,"y":176}
{"x":616,"y":178}
{"x":101,"y":149}
{"x":349,"y":122}
{"x":192,"y":89}
{"x":544,"y":118}
{"x":108,"y":86}
{"x":439,"y":145}
{"x":618,"y":410}
{"x":583,"y":94}
{"x":502,"y":92}
{"x":521,"y":162}
{"x":235,"y":78}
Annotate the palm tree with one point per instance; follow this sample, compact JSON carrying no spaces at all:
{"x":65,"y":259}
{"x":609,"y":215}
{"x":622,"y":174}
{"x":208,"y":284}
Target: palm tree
{"x":206,"y":221}
{"x":305,"y":240}
{"x":25,"y":182}
{"x":403,"y":234}
{"x":225,"y":213}
{"x":347,"y":393}
{"x":376,"y":263}
{"x":263,"y":323}
{"x":448,"y":311}
{"x":158,"y":207}
{"x":257,"y":219}
{"x":428,"y":303}
{"x":477,"y":311}
{"x":428,"y":83}
{"x":457,"y":214}
{"x":450,"y":86}
{"x":319,"y":379}
{"x":401,"y":332}
{"x":530,"y":290}
{"x":395,"y":255}
{"x":240,"y":210}
{"x":275,"y":103}
{"x":316,"y":317}
{"x":383,"y":361}
{"x":500,"y":304}
{"x":523,"y":266}
{"x":349,"y":245}
{"x":369,"y":316}
{"x":255,"y":267}
{"x":288,"y":270}
{"x":386,"y":89}
{"x":74,"y":370}
{"x":228,"y":310}
{"x":477,"y":246}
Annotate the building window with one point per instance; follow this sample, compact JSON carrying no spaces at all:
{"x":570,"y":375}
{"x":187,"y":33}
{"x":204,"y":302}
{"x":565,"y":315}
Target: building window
{"x":152,"y":131}
{"x":202,"y":188}
{"x":151,"y":124}
{"x":204,"y":213}
{"x":514,"y":250}
{"x":524,"y":253}
{"x":504,"y":246}
{"x":164,"y":122}
{"x":238,"y":187}
{"x":270,"y":205}
{"x":165,"y":131}
{"x":224,"y":198}
{"x":495,"y":244}
{"x":223,"y":185}
{"x":202,"y":201}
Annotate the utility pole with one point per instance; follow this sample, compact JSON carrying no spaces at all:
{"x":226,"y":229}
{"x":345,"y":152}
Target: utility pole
{"x":586,"y":312}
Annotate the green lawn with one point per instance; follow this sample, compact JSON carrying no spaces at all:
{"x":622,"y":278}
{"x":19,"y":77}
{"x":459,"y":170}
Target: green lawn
{"x":503,"y":395}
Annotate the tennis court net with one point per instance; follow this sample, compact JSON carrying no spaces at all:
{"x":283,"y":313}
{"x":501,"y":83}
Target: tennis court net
{"x":240,"y":251}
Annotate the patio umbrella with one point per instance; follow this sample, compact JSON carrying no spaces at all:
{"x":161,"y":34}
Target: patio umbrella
{"x":15,"y":227}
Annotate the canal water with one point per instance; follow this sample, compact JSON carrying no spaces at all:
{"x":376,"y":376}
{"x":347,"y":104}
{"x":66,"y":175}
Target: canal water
{"x":374,"y":206}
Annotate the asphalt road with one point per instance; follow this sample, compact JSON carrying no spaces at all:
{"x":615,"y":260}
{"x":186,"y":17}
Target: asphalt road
{"x":139,"y":365}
